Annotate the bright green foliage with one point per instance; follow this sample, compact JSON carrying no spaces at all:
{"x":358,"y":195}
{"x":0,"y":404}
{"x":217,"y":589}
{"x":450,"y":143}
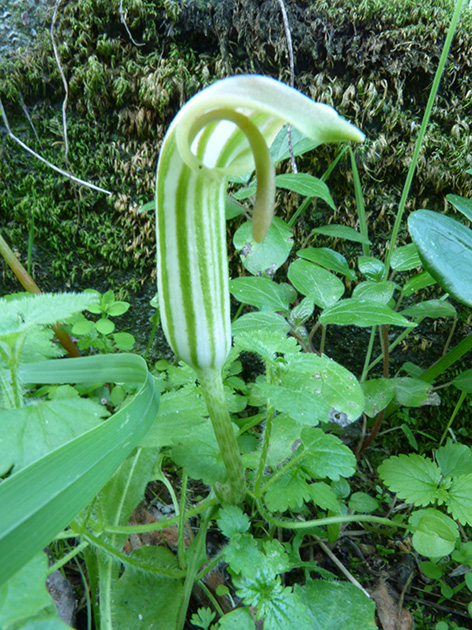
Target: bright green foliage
{"x":414,"y":478}
{"x":203,"y":618}
{"x":329,"y":259}
{"x":371,"y":268}
{"x":268,"y":256}
{"x":237,"y":619}
{"x":380,"y":291}
{"x":262,"y":293}
{"x":378,"y":392}
{"x":315,"y":282}
{"x":361,"y":312}
{"x":435,"y":534}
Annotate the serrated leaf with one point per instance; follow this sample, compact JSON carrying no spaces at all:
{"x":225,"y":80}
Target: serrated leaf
{"x":232,"y":521}
{"x":454,"y":459}
{"x":329,"y":259}
{"x":430,"y":308}
{"x":445,"y":247}
{"x":435,"y":533}
{"x":378,"y":394}
{"x":243,"y":555}
{"x":288,"y":492}
{"x":363,"y":313}
{"x":405,"y":258}
{"x":334,"y":605}
{"x":266,"y":343}
{"x":306,"y":185}
{"x":378,"y":291}
{"x":28,"y":433}
{"x":260,"y":292}
{"x":413,"y":477}
{"x":268,"y":256}
{"x":342,"y":231}
{"x":326,"y":456}
{"x":237,"y":619}
{"x":323,"y":496}
{"x":315,"y":282}
{"x":265,"y":320}
{"x":459,"y":501}
{"x":371,"y":268}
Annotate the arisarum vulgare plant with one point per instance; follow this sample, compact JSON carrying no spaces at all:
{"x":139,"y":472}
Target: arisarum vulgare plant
{"x":225,"y":130}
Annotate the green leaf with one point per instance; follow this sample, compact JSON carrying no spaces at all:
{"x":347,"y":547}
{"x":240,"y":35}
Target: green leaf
{"x":323,"y":496}
{"x":418,"y":282}
{"x":363,"y":313}
{"x":413,"y":477}
{"x":105,"y":326}
{"x":464,"y":381}
{"x":378,"y":291}
{"x":327,"y":456}
{"x":334,"y":605}
{"x":328,"y":379}
{"x":303,"y":406}
{"x":306,"y":185}
{"x":288,"y":492}
{"x":30,"y":432}
{"x":410,"y":392}
{"x":232,"y":521}
{"x":300,"y":144}
{"x":445,"y":247}
{"x":454,"y":459}
{"x":329,"y":259}
{"x":435,"y":533}
{"x":118,"y":308}
{"x":430,"y":308}
{"x":237,"y":619}
{"x":266,"y":343}
{"x":462,"y":204}
{"x":55,"y":488}
{"x":124,"y":341}
{"x":371,"y":268}
{"x":342,"y":231}
{"x":268,"y":256}
{"x":140,"y":598}
{"x":459,"y":500}
{"x":261,"y":292}
{"x":405,"y":258}
{"x":285,"y":438}
{"x":378,"y":394}
{"x":315,"y":282}
{"x":266,"y":320}
{"x":362,"y":503}
{"x":302,"y":312}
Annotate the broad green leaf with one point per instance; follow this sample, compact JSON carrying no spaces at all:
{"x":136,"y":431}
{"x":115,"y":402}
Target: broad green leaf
{"x":237,"y":619}
{"x":459,"y":501}
{"x":378,"y":394}
{"x":332,"y":381}
{"x":118,"y":308}
{"x":232,"y":521}
{"x":302,"y":312}
{"x":315,"y":282}
{"x":405,"y":258}
{"x":329,"y":259}
{"x":362,"y":503}
{"x":323,"y":496}
{"x":144,"y":600}
{"x":334,"y":605}
{"x":247,"y":191}
{"x":266,"y":320}
{"x":261,"y":292}
{"x":266,"y":343}
{"x":55,"y":488}
{"x":418,"y":282}
{"x":24,"y":597}
{"x":342,"y":231}
{"x":410,"y":392}
{"x":28,"y":433}
{"x":284,"y":439}
{"x":371,"y":268}
{"x":430,"y":308}
{"x":302,"y":405}
{"x":180,"y":414}
{"x":243,"y":555}
{"x":435,"y":533}
{"x":327,"y":456}
{"x":462,"y":204}
{"x":464,"y":381}
{"x":105,"y":326}
{"x":363,"y":313}
{"x":300,"y":144}
{"x":454,"y":459}
{"x":306,"y":185}
{"x":445,"y":247}
{"x":413,"y":477}
{"x":288,"y":492}
{"x":268,"y":256}
{"x":378,"y":291}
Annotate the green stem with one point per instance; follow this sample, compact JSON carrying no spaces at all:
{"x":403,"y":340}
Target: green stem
{"x":454,"y":414}
{"x":212,"y":386}
{"x":359,"y":203}
{"x":422,"y":132}
{"x":264,"y":451}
